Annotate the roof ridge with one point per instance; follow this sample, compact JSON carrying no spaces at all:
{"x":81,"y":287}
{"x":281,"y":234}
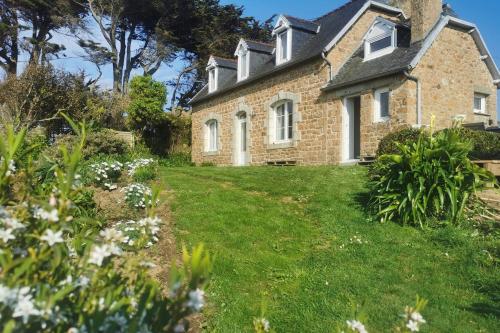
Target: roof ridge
{"x":223,"y":58}
{"x":335,"y":10}
{"x":258,"y":42}
{"x":301,"y":19}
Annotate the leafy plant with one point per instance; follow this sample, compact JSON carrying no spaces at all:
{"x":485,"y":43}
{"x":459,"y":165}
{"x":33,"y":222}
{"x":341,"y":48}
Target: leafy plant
{"x":389,"y":143}
{"x":431,"y":179}
{"x":60,"y":274}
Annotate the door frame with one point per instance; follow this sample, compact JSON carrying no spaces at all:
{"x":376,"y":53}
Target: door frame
{"x":238,"y":160}
{"x":348,"y":132}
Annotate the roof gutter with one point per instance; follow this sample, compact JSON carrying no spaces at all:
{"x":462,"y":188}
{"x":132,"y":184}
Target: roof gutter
{"x":419,"y":96}
{"x":329,"y":87}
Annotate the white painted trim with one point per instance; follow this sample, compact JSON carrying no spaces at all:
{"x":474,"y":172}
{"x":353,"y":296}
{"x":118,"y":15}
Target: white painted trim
{"x":368,"y":41}
{"x":281,"y":24}
{"x":377,"y":118}
{"x":215,"y":79}
{"x":289,"y":36}
{"x":356,"y":17}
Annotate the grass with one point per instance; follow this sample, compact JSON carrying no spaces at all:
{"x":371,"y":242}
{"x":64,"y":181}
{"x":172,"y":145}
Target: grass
{"x":281,"y":237}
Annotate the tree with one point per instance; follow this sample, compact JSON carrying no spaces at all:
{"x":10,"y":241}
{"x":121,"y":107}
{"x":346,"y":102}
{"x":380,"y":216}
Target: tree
{"x":124,"y":25}
{"x":9,"y":38}
{"x":147,"y":102}
{"x":213,"y":29}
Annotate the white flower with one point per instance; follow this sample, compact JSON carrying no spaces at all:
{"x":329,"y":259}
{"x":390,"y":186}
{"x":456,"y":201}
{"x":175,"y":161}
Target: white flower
{"x":7,"y":295}
{"x":98,"y":254}
{"x":6,"y":235}
{"x":356,"y":325}
{"x":42,"y":214}
{"x":52,"y":237}
{"x":112,"y":235}
{"x":417,"y":317}
{"x":196,"y":300}
{"x":412,"y":326}
{"x":13,"y":223}
{"x":83,"y":281}
{"x":25,"y":308}
{"x":263,"y":323}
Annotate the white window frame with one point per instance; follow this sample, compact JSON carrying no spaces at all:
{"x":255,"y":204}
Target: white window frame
{"x":213,"y":78}
{"x":280,"y":59}
{"x":369,"y":55}
{"x":212,"y":136}
{"x":377,"y":117}
{"x":243,"y":66}
{"x":287,"y":122}
{"x":483,"y":98}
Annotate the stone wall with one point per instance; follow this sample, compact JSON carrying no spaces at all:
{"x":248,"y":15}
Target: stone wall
{"x":450,"y":72}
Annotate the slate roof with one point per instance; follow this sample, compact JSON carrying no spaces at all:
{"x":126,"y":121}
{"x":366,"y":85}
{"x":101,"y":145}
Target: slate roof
{"x":331,"y":24}
{"x":259,"y":46}
{"x":357,"y":70}
{"x":224,"y":62}
{"x":302,"y":24}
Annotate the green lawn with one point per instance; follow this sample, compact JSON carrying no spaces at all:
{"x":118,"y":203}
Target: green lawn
{"x":282,"y":236}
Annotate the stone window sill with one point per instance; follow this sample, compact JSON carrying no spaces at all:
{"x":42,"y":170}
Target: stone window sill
{"x":281,"y":145}
{"x":211,"y":153}
{"x":482,"y":114}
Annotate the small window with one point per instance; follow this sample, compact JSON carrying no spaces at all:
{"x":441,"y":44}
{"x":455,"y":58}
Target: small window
{"x":283,"y":54}
{"x":212,"y":80}
{"x":479,"y":103}
{"x":284,"y":121}
{"x":380,"y":40}
{"x":211,"y":136}
{"x":243,"y":65}
{"x":382,"y":98}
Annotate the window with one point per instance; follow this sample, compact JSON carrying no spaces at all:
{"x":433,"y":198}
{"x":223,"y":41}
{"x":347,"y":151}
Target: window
{"x":382,"y":97}
{"x":380,"y":40}
{"x":479,"y":103}
{"x":211,"y":144}
{"x":212,"y":80}
{"x":284,"y":47}
{"x":243,"y":65}
{"x":284,"y":121}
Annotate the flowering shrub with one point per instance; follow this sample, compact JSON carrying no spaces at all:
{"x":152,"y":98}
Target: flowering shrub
{"x":138,"y":163}
{"x":135,"y":234}
{"x":57,"y":275}
{"x":106,"y":174}
{"x":138,"y":195}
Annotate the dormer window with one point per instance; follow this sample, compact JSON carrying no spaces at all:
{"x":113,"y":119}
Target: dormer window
{"x":212,"y":80}
{"x":243,"y":63}
{"x":381,"y":39}
{"x":283,"y":47}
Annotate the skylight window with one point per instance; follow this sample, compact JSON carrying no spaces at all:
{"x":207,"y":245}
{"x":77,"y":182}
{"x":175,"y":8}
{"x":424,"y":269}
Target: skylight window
{"x":380,"y":40}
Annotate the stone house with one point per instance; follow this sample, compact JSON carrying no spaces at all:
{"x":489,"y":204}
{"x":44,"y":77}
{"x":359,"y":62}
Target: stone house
{"x":326,"y":91}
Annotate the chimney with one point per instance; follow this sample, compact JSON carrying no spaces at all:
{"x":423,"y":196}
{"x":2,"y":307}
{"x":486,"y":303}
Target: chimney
{"x":424,"y":14}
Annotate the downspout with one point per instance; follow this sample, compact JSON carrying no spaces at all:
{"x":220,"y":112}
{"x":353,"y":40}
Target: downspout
{"x":330,"y":66}
{"x":419,"y":96}
{"x":330,"y":79}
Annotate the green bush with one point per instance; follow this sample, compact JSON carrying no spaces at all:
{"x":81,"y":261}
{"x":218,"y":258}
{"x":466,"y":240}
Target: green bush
{"x":430,"y":180}
{"x":62,"y":273}
{"x":177,"y":160}
{"x":486,"y":145}
{"x":145,"y":174}
{"x":104,"y":142}
{"x":389,"y":144}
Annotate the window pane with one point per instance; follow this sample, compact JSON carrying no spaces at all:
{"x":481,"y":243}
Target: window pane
{"x":284,"y":45}
{"x":290,"y":120}
{"x":384,"y":104}
{"x":478,"y":103}
{"x":280,"y":122}
{"x":381,"y":44}
{"x":243,"y":64}
{"x":244,"y":136}
{"x":213,"y":136}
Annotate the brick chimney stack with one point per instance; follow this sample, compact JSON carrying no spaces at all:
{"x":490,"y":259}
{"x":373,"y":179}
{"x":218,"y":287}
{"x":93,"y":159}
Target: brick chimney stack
{"x":424,"y":14}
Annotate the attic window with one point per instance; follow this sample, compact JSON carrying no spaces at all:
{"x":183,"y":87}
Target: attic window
{"x":380,"y":40}
{"x":284,"y":47}
{"x":212,"y":80}
{"x":243,"y":64}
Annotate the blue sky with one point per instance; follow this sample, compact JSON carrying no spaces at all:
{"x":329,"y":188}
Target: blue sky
{"x":484,"y":13}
